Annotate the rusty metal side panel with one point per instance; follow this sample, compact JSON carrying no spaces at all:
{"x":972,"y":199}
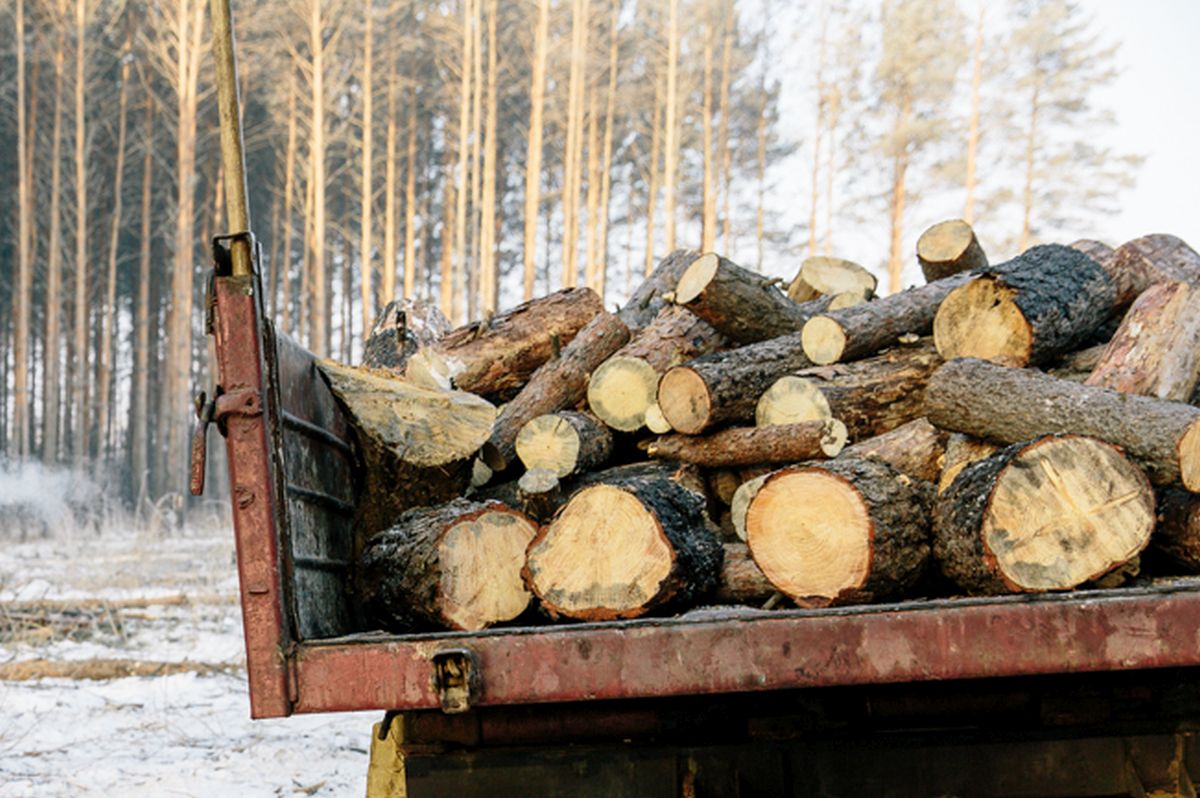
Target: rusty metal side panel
{"x":790,"y":650}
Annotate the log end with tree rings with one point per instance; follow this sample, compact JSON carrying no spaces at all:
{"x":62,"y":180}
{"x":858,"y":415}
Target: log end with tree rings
{"x":821,"y":275}
{"x":948,"y":248}
{"x":981,"y":319}
{"x":696,"y":278}
{"x":790,"y":400}
{"x":823,"y":340}
{"x":620,"y":391}
{"x":656,"y":422}
{"x":685,"y":401}
{"x":481,"y":560}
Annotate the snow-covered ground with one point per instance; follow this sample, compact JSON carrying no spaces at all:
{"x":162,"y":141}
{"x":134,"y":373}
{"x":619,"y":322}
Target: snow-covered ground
{"x":185,"y":734}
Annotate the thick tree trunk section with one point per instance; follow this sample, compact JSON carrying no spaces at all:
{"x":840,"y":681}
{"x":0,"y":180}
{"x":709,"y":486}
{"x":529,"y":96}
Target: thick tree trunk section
{"x":742,"y":581}
{"x":1178,"y":532}
{"x":961,"y":451}
{"x":402,"y":329}
{"x":622,"y":549}
{"x":1156,"y":350}
{"x":949,"y":248}
{"x":652,"y":295}
{"x":1013,"y":405}
{"x":1045,"y":302}
{"x":1049,"y":514}
{"x":916,"y":449}
{"x":821,"y":275}
{"x":1138,"y":264}
{"x":744,"y":446}
{"x":840,"y":532}
{"x":558,"y":384}
{"x":457,"y":566}
{"x":564,"y":443}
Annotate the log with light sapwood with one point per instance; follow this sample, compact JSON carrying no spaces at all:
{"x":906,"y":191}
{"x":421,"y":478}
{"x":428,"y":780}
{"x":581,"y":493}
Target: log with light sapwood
{"x":1046,"y":514}
{"x":654,"y":292}
{"x":564,"y":443}
{"x":742,"y":581}
{"x":1011,"y":405}
{"x":821,"y":275}
{"x":1178,"y":531}
{"x":401,"y":329}
{"x":1045,"y":302}
{"x":1138,"y":264}
{"x":656,"y":422}
{"x":916,"y":449}
{"x":1077,"y":366}
{"x":948,"y":248}
{"x":870,"y":396}
{"x":539,"y":494}
{"x":1156,"y":350}
{"x":456,"y":566}
{"x":862,"y":330}
{"x":961,"y":451}
{"x":742,"y":305}
{"x":725,"y":386}
{"x":623,"y":548}
{"x":839,"y":532}
{"x":494,"y":357}
{"x":741,"y":502}
{"x":744,"y":446}
{"x":558,"y":384}
{"x":624,"y":386}
{"x":416,"y":443}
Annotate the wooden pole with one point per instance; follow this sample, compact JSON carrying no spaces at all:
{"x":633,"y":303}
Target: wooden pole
{"x":232,"y":158}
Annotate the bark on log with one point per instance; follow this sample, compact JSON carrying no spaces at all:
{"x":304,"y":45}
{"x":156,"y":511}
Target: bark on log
{"x":916,"y":449}
{"x":401,"y":329}
{"x":1047,"y":301}
{"x":825,"y":276}
{"x":745,"y":446}
{"x":457,"y":566}
{"x":742,"y":581}
{"x":564,"y":443}
{"x":1138,"y":264}
{"x":948,"y":248}
{"x":869,"y":396}
{"x":1048,"y":514}
{"x":1156,"y":350}
{"x":725,"y":386}
{"x":651,"y":296}
{"x":1178,"y":532}
{"x":622,"y":549}
{"x":559,"y":384}
{"x":1013,"y":405}
{"x":624,"y":386}
{"x":539,"y":494}
{"x":1101,"y":253}
{"x":1077,"y":366}
{"x":961,"y":451}
{"x":416,"y":444}
{"x":839,"y":532}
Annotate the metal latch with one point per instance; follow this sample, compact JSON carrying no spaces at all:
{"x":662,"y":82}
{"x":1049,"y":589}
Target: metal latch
{"x":456,"y":679}
{"x":243,"y":402}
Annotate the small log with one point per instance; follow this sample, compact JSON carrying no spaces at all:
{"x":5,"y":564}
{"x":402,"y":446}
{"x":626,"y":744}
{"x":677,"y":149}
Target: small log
{"x":624,"y":548}
{"x":1138,"y":264}
{"x":654,"y":292}
{"x":961,"y":451}
{"x":457,"y":566}
{"x":948,"y":248}
{"x":742,"y":581}
{"x":741,"y":502}
{"x":916,"y":449}
{"x":744,"y":446}
{"x":1178,"y":531}
{"x":1156,"y":350}
{"x":559,"y":384}
{"x":400,"y":330}
{"x":840,"y":532}
{"x":539,"y":493}
{"x":1043,"y":303}
{"x":1048,"y":514}
{"x":416,"y":443}
{"x":564,"y":443}
{"x":1013,"y":405}
{"x":820,"y":276}
{"x":656,"y":422}
{"x":870,"y":396}
{"x":1077,"y":366}
{"x":725,"y":386}
{"x":624,"y":386}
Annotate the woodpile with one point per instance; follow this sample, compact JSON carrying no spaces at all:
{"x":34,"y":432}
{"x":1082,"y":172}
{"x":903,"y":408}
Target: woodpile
{"x":1023,"y":426}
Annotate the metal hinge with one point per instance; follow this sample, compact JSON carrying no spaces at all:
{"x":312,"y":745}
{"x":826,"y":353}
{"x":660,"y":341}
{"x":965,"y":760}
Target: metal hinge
{"x":216,"y":409}
{"x":457,"y":679}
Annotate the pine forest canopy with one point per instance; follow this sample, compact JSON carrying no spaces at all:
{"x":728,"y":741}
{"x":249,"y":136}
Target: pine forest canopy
{"x":475,"y":153}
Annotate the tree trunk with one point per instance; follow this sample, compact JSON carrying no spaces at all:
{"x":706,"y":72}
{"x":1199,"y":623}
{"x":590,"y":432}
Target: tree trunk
{"x":289,"y":190}
{"x":948,"y":248}
{"x":533,"y":159}
{"x":1030,"y":153}
{"x":318,"y":319}
{"x":652,"y":295}
{"x":140,"y":401}
{"x":916,"y":449}
{"x":741,"y":580}
{"x":747,"y":446}
{"x":973,"y":123}
{"x":19,"y":446}
{"x":652,"y":178}
{"x":80,"y":371}
{"x":458,"y":257}
{"x":1138,"y":264}
{"x":961,"y":451}
{"x":723,"y":130}
{"x":487,"y":237}
{"x":564,"y":443}
{"x":606,"y":168}
{"x":708,"y":214}
{"x":53,"y":315}
{"x":387,"y":277}
{"x":671,"y":157}
{"x":410,"y":201}
{"x":572,"y":155}
{"x":473,"y":276}
{"x":591,"y":264}
{"x":368,"y":188}
{"x":897,"y":199}
{"x":821,"y":275}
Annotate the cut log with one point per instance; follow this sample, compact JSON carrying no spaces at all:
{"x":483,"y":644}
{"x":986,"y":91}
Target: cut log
{"x":742,"y":305}
{"x":1013,"y":405}
{"x":457,"y":566}
{"x":559,"y":384}
{"x":564,"y":443}
{"x":1138,"y":264}
{"x":540,"y":494}
{"x":1077,"y":366}
{"x":625,"y":385}
{"x":948,"y":248}
{"x":656,"y":422}
{"x":741,"y":502}
{"x":1047,"y":301}
{"x":622,"y":549}
{"x":961,"y":451}
{"x":725,"y":386}
{"x":869,"y":396}
{"x":400,"y":331}
{"x":1048,"y":514}
{"x":820,"y":276}
{"x":742,"y":581}
{"x":1156,"y":350}
{"x":1100,"y":252}
{"x":416,"y":444}
{"x":654,"y":292}
{"x":839,"y":532}
{"x":744,"y":446}
{"x":916,"y":449}
{"x":1178,"y":532}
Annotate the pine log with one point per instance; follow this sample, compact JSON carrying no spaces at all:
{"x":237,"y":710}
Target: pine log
{"x":558,"y":384}
{"x":1077,"y":366}
{"x":744,"y":446}
{"x":1013,"y":405}
{"x":820,"y":276}
{"x":948,"y":248}
{"x":840,"y":532}
{"x":916,"y":449}
{"x":742,"y":581}
{"x":725,"y":386}
{"x":624,"y":386}
{"x":1047,"y":514}
{"x":416,"y":444}
{"x":741,"y":502}
{"x":961,"y":451}
{"x":400,"y":330}
{"x":654,"y":292}
{"x":1156,"y":350}
{"x":656,"y":422}
{"x":870,"y":396}
{"x":1047,"y":301}
{"x":1178,"y":531}
{"x":539,"y":494}
{"x":1101,"y":253}
{"x":1138,"y":264}
{"x":624,"y":548}
{"x":457,"y":566}
{"x":564,"y":443}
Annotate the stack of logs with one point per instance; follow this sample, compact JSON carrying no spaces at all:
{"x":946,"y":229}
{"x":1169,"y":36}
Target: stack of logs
{"x":1025,"y":426}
